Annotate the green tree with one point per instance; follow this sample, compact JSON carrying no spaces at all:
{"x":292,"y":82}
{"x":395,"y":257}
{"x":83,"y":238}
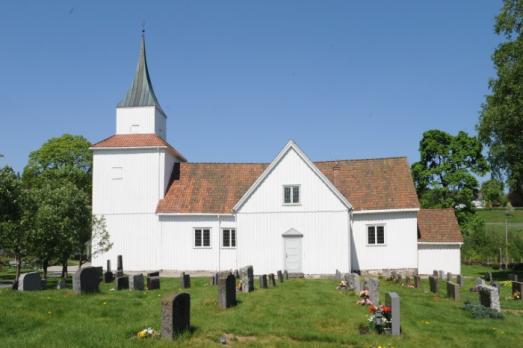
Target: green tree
{"x":13,"y":232}
{"x":501,"y":122}
{"x":492,"y":193}
{"x":444,"y":175}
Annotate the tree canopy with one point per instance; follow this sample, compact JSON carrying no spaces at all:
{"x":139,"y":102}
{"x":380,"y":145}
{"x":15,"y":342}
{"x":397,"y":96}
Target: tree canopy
{"x":444,"y":175}
{"x":501,"y":122}
{"x":492,"y":193}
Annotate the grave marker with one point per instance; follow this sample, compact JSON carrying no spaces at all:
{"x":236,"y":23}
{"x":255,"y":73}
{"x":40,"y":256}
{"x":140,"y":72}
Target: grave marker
{"x":373,"y":287}
{"x":280,"y":276}
{"x":121,"y":283}
{"x":136,"y":282}
{"x":176,"y":315}
{"x":449,"y":276}
{"x":263,"y":281}
{"x":489,"y":297}
{"x":86,"y":280}
{"x":392,"y":300}
{"x":453,"y":291}
{"x":286,"y":275}
{"x":119,"y":266}
{"x":434,"y":284}
{"x":272,"y":280}
{"x":227,"y":291}
{"x":247,"y":278}
{"x":108,"y":275}
{"x":417,"y":281}
{"x":153,"y":283}
{"x":30,"y":282}
{"x":460,"y":280}
{"x":517,"y":290}
{"x":185,"y":280}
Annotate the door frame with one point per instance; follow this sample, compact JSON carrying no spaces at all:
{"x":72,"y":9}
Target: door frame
{"x":292,"y":233}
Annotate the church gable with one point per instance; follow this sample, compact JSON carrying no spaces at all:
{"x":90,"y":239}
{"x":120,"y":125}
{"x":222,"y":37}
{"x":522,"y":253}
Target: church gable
{"x":292,"y":183}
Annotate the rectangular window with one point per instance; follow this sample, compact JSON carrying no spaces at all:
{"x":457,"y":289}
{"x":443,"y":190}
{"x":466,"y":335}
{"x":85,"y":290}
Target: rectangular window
{"x":202,"y":238}
{"x":376,"y":235}
{"x":117,"y":173}
{"x":229,"y":238}
{"x":291,"y":194}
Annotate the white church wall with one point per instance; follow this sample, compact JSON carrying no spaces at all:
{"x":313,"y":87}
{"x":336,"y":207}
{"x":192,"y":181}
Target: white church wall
{"x":136,"y":120}
{"x":400,"y":248}
{"x":446,"y":257}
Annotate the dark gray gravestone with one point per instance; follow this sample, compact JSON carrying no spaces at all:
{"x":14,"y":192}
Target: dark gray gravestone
{"x":434,"y":284}
{"x":286,"y":275}
{"x":236,"y":274}
{"x":30,"y":282}
{"x":460,"y":280}
{"x":373,"y":286}
{"x":263,"y":281}
{"x":86,"y":280}
{"x":227,"y":291}
{"x":153,"y":274}
{"x":108,"y":265}
{"x":489,"y":297}
{"x":153,"y":283}
{"x":119,"y":266}
{"x":247,"y":278}
{"x":480,"y":281}
{"x":453,"y":291}
{"x":136,"y":282}
{"x":272,"y":280}
{"x":280,"y":276}
{"x":449,"y":276}
{"x":417,"y":281}
{"x":517,"y":290}
{"x":392,"y":300}
{"x":121,"y":283}
{"x":176,"y":315}
{"x":108,"y":275}
{"x":435,"y":274}
{"x":44,"y":284}
{"x":185,"y":280}
{"x":513,"y":277}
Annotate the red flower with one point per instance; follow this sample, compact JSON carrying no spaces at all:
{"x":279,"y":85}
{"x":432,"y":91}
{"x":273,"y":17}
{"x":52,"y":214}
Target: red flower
{"x":387,"y":309}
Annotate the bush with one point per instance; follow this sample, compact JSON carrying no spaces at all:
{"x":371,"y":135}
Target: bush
{"x":478,"y":311}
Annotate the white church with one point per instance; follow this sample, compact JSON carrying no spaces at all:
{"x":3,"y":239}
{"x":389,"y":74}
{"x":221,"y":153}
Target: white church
{"x":165,"y":212}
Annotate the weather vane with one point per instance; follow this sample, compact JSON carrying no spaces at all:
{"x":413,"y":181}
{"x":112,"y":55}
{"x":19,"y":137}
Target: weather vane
{"x":143,"y":26}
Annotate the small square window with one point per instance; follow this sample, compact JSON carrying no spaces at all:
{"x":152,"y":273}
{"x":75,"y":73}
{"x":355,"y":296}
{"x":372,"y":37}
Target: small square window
{"x":202,"y":238}
{"x":291,"y":194}
{"x":376,"y":235}
{"x":228,"y":238}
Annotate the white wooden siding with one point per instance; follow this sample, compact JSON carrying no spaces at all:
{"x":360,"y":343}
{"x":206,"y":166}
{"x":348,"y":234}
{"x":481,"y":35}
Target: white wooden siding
{"x":444,"y":257}
{"x":401,"y":237}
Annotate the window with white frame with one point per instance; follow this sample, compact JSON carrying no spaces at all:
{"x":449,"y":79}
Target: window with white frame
{"x":229,"y":238}
{"x":202,"y":237}
{"x":291,"y":194}
{"x":375,"y":235}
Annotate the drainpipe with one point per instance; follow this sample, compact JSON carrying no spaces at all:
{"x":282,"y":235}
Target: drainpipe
{"x":350,"y":235}
{"x":219,"y":240}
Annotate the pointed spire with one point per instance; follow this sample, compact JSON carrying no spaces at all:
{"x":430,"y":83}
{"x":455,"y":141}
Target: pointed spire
{"x":141,"y":92}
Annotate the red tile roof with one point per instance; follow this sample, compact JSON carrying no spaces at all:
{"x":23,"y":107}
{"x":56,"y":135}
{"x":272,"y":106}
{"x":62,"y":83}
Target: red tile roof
{"x":138,"y":140}
{"x":438,"y":226}
{"x":217,"y":187}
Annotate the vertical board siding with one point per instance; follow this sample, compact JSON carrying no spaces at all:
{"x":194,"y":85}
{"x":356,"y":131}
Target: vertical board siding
{"x":439,"y":257}
{"x":145,"y":117}
{"x":401,"y":238}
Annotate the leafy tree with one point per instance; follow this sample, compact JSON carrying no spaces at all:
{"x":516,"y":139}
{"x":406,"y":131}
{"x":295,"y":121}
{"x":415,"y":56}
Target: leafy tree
{"x":13,"y":234}
{"x":444,"y":175}
{"x":492,"y":193}
{"x":100,"y":236}
{"x":501,"y":123}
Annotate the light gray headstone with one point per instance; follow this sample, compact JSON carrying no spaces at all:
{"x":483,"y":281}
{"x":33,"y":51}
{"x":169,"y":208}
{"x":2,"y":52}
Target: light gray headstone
{"x":480,"y":281}
{"x":373,"y":286}
{"x":453,"y":291}
{"x":489,"y":297}
{"x":392,"y":300}
{"x":30,"y":282}
{"x":176,"y":315}
{"x":286,"y":275}
{"x":441,"y":274}
{"x":460,"y":280}
{"x":247,"y":278}
{"x":449,"y":276}
{"x":337,"y":275}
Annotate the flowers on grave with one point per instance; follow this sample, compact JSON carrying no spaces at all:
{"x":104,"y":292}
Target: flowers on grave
{"x":380,"y":319}
{"x":145,"y":333}
{"x":506,"y":283}
{"x":342,"y":286}
{"x":516,"y":295}
{"x":364,"y":298}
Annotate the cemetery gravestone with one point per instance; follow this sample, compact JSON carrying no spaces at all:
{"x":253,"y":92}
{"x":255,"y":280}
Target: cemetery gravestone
{"x":489,"y":276}
{"x":337,"y":275}
{"x":435,"y":274}
{"x":460,"y":280}
{"x":30,"y":282}
{"x":86,"y":280}
{"x":272,"y":280}
{"x":137,"y":282}
{"x":176,"y":315}
{"x":247,"y":278}
{"x":263,"y":281}
{"x":122,"y":282}
{"x":108,"y":276}
{"x":355,"y":282}
{"x":453,"y":291}
{"x":280,"y":276}
{"x":153,"y":283}
{"x":392,"y":300}
{"x":434,"y":284}
{"x":489,"y":297}
{"x":227,"y":291}
{"x":417,"y":281}
{"x":61,"y":284}
{"x":185,"y":280}
{"x":480,"y":281}
{"x":119,"y":266}
{"x":236,"y":274}
{"x":373,"y":287}
{"x":449,"y":276}
{"x":517,"y":290}
{"x":286,"y":275}
{"x":441,"y":274}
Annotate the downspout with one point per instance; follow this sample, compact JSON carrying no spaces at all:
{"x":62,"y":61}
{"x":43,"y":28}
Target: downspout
{"x":219,"y":240}
{"x":350,"y":235}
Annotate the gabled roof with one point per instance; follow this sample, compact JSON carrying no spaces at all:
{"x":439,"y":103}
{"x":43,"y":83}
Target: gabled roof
{"x":438,"y":226}
{"x":291,"y":145}
{"x":137,"y":141}
{"x":370,"y":184}
{"x":141,"y":92}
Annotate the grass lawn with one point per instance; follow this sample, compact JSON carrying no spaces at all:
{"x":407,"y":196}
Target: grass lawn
{"x":498,"y":215}
{"x":301,"y":312}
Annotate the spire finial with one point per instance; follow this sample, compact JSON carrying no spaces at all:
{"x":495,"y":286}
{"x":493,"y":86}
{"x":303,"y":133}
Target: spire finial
{"x":143,"y":28}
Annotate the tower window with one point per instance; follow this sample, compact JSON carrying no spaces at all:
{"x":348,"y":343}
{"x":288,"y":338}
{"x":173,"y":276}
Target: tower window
{"x":291,"y":194}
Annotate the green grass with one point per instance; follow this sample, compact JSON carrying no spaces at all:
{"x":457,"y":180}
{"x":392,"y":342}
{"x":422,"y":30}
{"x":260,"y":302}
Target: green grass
{"x":498,"y":215}
{"x":301,"y":312}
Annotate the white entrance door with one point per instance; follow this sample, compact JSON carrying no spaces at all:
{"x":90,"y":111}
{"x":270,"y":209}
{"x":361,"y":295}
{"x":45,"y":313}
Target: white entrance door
{"x":292,"y":253}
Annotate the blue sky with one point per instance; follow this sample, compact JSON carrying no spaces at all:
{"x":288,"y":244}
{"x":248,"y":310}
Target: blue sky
{"x":237,"y":79}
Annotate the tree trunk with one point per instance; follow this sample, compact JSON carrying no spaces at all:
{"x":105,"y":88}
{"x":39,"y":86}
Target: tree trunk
{"x":18,"y":267}
{"x":45,"y":264}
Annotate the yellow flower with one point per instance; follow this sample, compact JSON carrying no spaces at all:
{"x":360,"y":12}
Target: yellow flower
{"x":49,"y":312}
{"x":105,"y":303}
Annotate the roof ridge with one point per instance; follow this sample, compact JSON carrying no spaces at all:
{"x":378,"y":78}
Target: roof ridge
{"x":362,"y":159}
{"x":260,"y":163}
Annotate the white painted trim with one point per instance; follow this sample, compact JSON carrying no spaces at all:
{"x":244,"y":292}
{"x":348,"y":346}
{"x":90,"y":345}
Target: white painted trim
{"x":193,"y":214}
{"x":230,"y":229}
{"x":376,"y":235}
{"x":194,"y":237}
{"x":440,"y":243}
{"x":127,"y":147}
{"x":290,"y":145}
{"x":357,"y":212}
{"x":291,"y":212}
